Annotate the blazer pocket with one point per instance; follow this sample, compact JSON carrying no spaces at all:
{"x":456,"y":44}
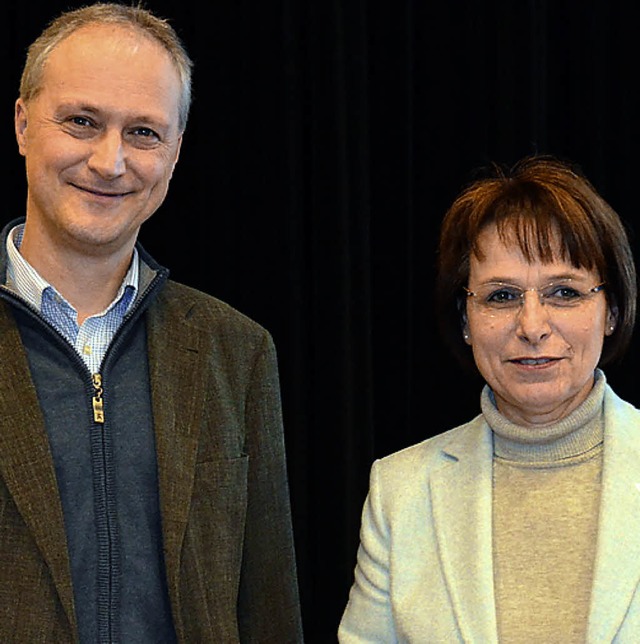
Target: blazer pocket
{"x":211,"y":556}
{"x":219,"y":501}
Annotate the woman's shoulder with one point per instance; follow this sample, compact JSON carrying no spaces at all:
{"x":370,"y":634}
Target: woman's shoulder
{"x":621,"y":416}
{"x":615,"y":402}
{"x":439,"y":448}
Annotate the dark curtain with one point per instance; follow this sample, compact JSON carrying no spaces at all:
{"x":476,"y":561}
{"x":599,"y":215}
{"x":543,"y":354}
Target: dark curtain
{"x":327,"y":139}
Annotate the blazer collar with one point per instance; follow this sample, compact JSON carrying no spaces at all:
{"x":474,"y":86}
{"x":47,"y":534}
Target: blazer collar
{"x":463,"y":482}
{"x":461,"y":491}
{"x":177,"y":385}
{"x":617,"y":565}
{"x":26,"y":464}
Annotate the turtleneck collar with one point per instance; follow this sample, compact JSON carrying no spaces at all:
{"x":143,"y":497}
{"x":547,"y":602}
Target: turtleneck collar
{"x":581,"y":431}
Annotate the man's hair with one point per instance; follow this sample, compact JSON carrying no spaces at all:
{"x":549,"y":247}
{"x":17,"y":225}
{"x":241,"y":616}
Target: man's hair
{"x":136,"y":17}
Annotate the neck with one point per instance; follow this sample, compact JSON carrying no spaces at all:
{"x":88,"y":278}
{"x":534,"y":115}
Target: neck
{"x":88,"y":282}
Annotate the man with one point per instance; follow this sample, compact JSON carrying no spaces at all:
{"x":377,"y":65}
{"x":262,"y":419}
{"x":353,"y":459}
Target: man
{"x":143,"y":489}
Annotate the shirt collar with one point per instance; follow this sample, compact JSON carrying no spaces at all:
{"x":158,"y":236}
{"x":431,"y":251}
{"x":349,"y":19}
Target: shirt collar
{"x":24,"y":280}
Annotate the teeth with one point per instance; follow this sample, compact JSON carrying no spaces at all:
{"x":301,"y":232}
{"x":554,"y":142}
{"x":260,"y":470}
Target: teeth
{"x":536,"y":361}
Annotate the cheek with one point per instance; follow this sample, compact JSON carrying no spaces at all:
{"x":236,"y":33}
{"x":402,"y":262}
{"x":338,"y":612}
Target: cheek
{"x":486,"y":355}
{"x":154,"y":173}
{"x":485,"y":330}
{"x":51,"y":159}
{"x":588,"y":332}
{"x":487,"y":339}
{"x":591,"y":337}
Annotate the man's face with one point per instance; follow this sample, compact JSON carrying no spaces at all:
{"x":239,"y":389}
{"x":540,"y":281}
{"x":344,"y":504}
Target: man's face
{"x":100,"y":140}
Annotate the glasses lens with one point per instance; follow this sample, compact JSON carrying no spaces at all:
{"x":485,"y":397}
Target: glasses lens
{"x":500,"y":297}
{"x":564,"y":295}
{"x":567,"y":294}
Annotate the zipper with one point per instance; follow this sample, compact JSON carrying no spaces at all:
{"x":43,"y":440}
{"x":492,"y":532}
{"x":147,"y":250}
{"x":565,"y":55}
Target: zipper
{"x":107,"y":588}
{"x":96,"y":401}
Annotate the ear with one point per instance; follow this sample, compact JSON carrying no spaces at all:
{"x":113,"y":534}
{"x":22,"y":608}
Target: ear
{"x":466,"y":334}
{"x":464,"y":322}
{"x":175,"y":161}
{"x":612,"y":320}
{"x":20,"y":122}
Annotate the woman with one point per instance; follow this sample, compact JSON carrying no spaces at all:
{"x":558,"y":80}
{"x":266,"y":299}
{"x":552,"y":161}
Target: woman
{"x":522,"y":525}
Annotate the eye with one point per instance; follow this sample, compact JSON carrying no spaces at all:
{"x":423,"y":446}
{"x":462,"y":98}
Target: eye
{"x":562,"y":292}
{"x":81,"y":121}
{"x":145,"y":133}
{"x":78,"y":126}
{"x":504,"y":295}
{"x":143,"y":137}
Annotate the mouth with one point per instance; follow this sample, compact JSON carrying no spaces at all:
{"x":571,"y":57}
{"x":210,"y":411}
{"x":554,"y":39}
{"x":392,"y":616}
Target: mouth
{"x":533,"y":362}
{"x":100,"y":193}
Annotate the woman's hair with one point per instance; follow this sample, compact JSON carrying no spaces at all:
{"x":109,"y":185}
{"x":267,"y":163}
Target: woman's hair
{"x":531,"y":203}
{"x":135,"y":17}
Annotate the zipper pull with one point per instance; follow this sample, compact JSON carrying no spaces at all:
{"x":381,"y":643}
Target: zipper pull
{"x":98,"y":412}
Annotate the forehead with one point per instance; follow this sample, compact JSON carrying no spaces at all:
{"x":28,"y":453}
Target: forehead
{"x":103,"y":44}
{"x":98,"y":63}
{"x":529,"y":238}
{"x":500,"y":255}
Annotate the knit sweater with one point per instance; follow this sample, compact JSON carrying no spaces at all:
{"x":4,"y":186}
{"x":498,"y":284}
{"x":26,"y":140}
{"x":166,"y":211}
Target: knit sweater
{"x":545,"y":518}
{"x":106,"y":472}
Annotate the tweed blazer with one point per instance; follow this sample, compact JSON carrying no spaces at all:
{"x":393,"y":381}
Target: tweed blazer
{"x":223,"y":488}
{"x":424,"y":570}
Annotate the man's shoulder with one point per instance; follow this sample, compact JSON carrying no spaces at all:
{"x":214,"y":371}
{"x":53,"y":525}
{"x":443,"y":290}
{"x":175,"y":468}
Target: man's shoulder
{"x":189,"y":305}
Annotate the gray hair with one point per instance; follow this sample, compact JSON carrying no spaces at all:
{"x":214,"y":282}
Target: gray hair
{"x":136,"y":17}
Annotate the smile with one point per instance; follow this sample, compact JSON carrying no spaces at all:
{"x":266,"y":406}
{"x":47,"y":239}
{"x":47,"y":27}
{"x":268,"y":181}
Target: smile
{"x":101,"y":193}
{"x":534,"y":361}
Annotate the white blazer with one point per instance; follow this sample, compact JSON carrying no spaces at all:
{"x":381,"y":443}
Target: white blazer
{"x":424,"y":569}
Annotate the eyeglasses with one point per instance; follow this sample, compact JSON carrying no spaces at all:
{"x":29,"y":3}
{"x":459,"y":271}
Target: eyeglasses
{"x":497,"y":297}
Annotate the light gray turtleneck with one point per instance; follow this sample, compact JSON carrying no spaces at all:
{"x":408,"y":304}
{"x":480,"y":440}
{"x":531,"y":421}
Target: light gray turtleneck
{"x":546,"y":493}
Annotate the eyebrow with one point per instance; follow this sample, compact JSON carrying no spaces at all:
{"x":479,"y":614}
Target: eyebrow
{"x":70,"y":107}
{"x":549,"y":280}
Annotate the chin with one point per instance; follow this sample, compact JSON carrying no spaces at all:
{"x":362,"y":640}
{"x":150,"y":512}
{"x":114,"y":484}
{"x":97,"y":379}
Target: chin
{"x":108,"y":238}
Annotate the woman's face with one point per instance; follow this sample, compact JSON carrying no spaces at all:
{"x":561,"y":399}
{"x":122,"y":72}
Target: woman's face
{"x":538,"y":358}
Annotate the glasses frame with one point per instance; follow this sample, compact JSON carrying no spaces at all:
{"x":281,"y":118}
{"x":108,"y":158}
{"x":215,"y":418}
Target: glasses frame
{"x":538,"y":289}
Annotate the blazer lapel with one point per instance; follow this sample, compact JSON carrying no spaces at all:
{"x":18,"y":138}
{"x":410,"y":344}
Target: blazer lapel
{"x":26,"y":464}
{"x":461,"y":497}
{"x":617,"y":565}
{"x":176,"y":384}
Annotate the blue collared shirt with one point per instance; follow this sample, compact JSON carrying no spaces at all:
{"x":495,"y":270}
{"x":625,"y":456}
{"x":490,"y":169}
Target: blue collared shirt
{"x":92,"y":338}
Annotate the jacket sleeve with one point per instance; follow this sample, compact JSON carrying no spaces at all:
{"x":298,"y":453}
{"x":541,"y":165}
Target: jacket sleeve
{"x":269,"y":609}
{"x":368,"y":616}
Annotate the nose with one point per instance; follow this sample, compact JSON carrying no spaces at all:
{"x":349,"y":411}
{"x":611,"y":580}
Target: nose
{"x":533,"y":324}
{"x":107,"y":156}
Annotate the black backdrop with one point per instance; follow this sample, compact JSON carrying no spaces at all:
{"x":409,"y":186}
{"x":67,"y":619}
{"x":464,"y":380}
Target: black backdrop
{"x":326,"y":140}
